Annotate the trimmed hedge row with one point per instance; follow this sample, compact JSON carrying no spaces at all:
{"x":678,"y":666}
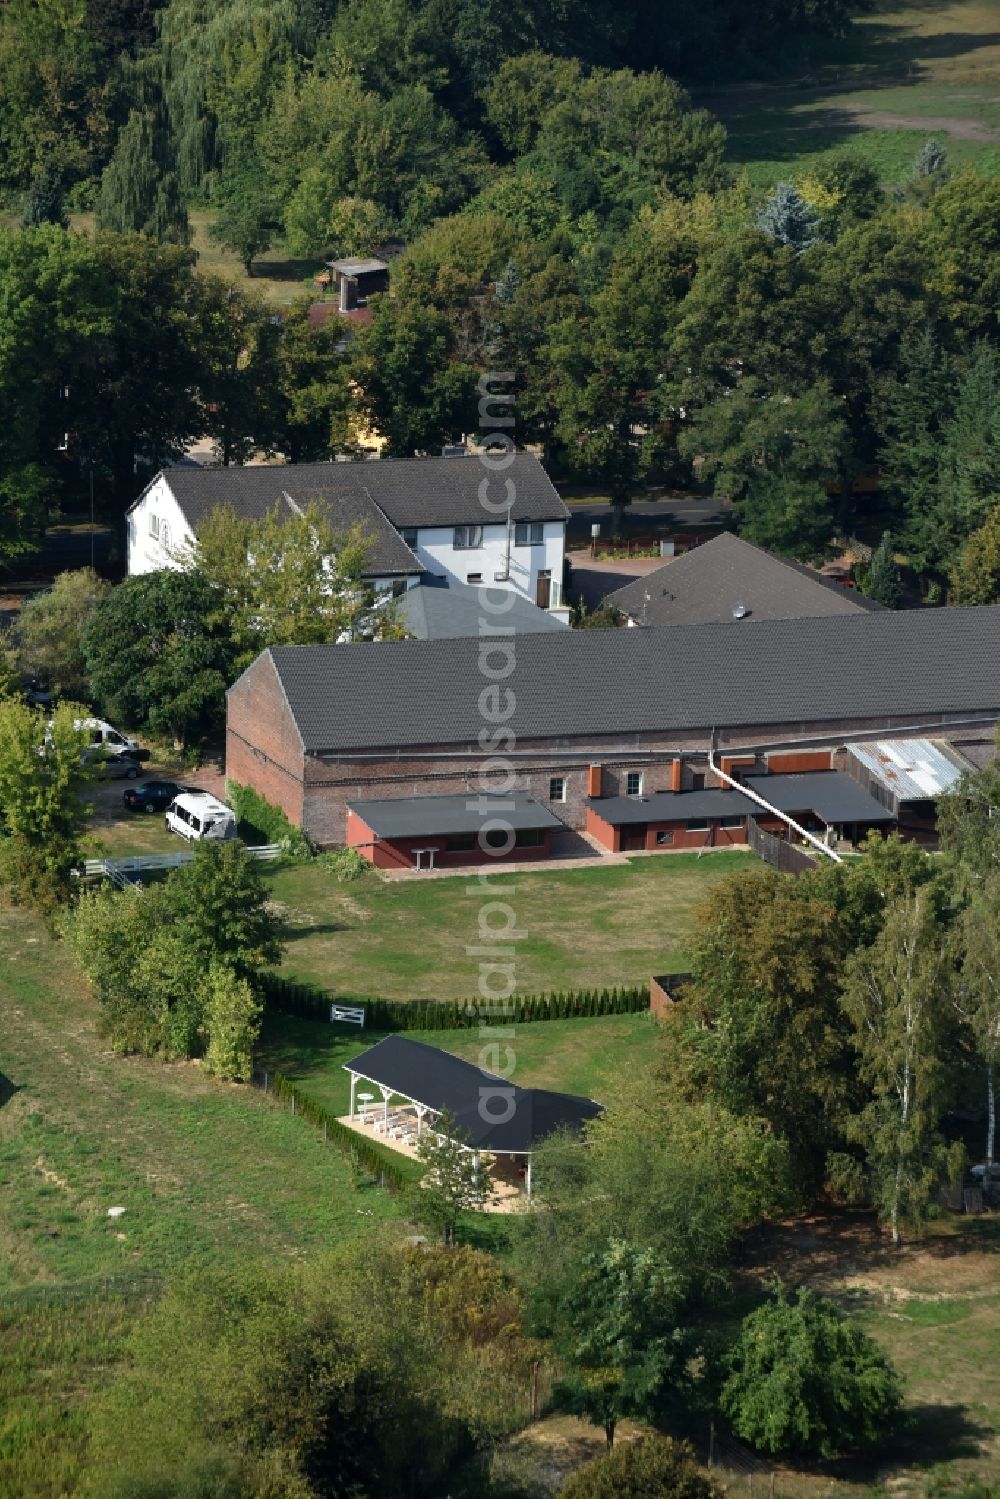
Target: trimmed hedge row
{"x":309,"y":1002}
{"x":364,"y":1152}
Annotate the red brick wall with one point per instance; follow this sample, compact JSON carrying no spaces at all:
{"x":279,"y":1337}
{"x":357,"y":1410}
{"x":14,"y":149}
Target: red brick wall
{"x":398,"y":853}
{"x":263,"y":749}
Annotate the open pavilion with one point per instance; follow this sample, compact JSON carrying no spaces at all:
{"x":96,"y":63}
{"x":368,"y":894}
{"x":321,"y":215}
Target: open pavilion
{"x":489,"y":1114}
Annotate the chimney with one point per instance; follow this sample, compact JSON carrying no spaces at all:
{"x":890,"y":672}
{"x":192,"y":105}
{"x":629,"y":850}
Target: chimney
{"x":675,"y":775}
{"x":594,"y":780}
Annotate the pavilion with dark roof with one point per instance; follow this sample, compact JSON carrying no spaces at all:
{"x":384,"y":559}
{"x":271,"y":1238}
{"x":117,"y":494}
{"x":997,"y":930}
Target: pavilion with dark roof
{"x":488,"y":1114}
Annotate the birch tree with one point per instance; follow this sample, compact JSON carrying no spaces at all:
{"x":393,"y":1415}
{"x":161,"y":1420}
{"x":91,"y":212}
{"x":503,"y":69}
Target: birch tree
{"x":897,"y":997}
{"x":979,"y":990}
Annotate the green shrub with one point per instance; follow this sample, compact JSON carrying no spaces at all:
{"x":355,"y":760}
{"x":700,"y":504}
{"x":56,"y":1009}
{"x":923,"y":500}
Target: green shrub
{"x":653,"y":1468}
{"x":260,"y":822}
{"x":344,"y":863}
{"x":802,"y":1378}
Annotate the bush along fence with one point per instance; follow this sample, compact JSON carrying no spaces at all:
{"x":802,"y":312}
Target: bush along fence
{"x":309,"y":1002}
{"x":365,"y":1155}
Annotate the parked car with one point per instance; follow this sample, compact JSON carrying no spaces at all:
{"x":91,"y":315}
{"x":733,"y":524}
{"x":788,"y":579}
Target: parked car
{"x":154,"y":796}
{"x":102,"y":732}
{"x":199,"y":814}
{"x":111,"y":767}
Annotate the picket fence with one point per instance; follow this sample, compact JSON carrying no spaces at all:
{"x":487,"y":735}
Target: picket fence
{"x":129,"y":869}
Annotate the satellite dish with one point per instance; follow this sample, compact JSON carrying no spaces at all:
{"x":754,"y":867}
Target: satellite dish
{"x":740,"y":611}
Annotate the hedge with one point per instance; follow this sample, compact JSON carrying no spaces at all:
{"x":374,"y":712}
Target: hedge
{"x":260,"y":822}
{"x":309,"y":1002}
{"x":364,"y":1152}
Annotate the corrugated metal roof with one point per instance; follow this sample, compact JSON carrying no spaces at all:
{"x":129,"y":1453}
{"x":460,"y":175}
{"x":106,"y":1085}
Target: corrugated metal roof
{"x":914,"y":770}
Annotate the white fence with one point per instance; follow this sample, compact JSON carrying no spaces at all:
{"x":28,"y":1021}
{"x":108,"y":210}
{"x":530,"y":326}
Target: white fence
{"x":130,"y":868}
{"x":348,"y":1014}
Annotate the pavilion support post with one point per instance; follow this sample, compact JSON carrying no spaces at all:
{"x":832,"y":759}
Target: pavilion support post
{"x":386,"y":1095}
{"x":527,"y":1179}
{"x":421,"y":1111}
{"x":354,"y":1084}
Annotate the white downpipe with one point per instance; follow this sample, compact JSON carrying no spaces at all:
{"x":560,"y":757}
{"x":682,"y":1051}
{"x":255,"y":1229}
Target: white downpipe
{"x":775,"y":811}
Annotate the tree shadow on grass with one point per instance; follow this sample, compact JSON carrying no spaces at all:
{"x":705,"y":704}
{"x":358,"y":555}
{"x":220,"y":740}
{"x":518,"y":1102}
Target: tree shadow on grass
{"x":293,"y":933}
{"x":7,"y":1089}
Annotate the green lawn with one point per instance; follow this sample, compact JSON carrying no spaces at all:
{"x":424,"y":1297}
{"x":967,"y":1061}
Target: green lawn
{"x":587,"y":1056}
{"x":903,"y":73}
{"x":204,"y":1170}
{"x":407,"y":939}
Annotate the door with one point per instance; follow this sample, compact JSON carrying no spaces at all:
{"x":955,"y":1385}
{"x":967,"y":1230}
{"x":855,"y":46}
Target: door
{"x":543,"y":589}
{"x":633,"y":839}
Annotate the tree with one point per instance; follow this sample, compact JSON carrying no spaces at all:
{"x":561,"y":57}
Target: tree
{"x":968,"y":826}
{"x":248,"y":216}
{"x":774,"y":454}
{"x":139,"y":191}
{"x":897,"y":999}
{"x":617,"y":1339}
{"x":232,"y":1020}
{"x":788,"y":219}
{"x":285,"y":580}
{"x":802,"y":1378}
{"x":931,"y":161}
{"x":44,"y":202}
{"x":882,"y":581}
{"x":413,"y":390}
{"x":10,"y":666}
{"x":979,"y":990}
{"x":42,"y":808}
{"x":158,"y":655}
{"x":455,"y":1180}
{"x":50,"y":629}
{"x":311,"y":399}
{"x":653,"y":1467}
{"x":221,"y":902}
{"x":975,"y":573}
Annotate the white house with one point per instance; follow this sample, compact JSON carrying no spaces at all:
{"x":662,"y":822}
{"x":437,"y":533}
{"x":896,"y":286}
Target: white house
{"x":449,"y":518}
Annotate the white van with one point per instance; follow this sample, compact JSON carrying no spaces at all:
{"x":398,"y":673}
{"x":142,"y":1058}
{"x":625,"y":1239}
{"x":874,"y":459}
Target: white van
{"x":199,"y":814}
{"x":99,"y":731}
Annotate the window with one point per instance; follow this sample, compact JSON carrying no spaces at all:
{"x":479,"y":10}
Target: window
{"x":399,"y":588}
{"x":528,"y":533}
{"x":154,"y":524}
{"x":460,"y":843}
{"x":730,"y":822}
{"x":529,"y":838}
{"x":164,"y":535}
{"x":557,"y":789}
{"x":474,"y":579}
{"x":409,"y":535}
{"x":696,"y":826}
{"x":498,"y":838}
{"x":633,"y":783}
{"x":698,"y":781}
{"x":468,"y":538}
{"x":664,"y":837}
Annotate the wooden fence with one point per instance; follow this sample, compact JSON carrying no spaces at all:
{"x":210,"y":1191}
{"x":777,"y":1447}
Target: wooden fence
{"x":787,"y":857}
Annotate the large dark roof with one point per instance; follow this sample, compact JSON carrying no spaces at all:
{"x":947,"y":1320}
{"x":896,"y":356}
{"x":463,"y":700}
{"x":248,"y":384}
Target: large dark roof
{"x":671,"y":806}
{"x":834,"y":797}
{"x":436,"y":612}
{"x":254,"y":492}
{"x":707,"y":583}
{"x":914,"y":665}
{"x":409,"y":491}
{"x":470,"y":1095}
{"x":413,"y":816}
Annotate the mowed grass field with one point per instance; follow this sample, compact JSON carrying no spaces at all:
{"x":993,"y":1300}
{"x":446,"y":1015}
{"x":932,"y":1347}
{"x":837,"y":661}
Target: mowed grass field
{"x":204,"y":1170}
{"x":579,"y":928}
{"x":903,"y":73}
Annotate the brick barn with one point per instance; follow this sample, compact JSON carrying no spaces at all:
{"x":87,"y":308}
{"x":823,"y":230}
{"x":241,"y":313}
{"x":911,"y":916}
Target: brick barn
{"x":619,"y":728}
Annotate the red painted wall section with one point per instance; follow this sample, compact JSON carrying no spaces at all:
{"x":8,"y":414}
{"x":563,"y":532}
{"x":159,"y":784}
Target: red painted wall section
{"x":792,"y":762}
{"x":399,"y":853}
{"x":642,"y":837}
{"x":606,"y":835}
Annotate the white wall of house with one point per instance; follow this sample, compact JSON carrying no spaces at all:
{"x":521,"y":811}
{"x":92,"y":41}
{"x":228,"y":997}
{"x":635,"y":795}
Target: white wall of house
{"x":156,"y":527}
{"x":487,"y":562}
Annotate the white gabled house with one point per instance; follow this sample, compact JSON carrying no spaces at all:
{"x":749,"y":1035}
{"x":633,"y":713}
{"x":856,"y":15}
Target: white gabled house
{"x":433,"y":518}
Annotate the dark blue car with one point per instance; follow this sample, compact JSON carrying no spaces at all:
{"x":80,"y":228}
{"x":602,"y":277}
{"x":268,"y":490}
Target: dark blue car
{"x":154,"y":796}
